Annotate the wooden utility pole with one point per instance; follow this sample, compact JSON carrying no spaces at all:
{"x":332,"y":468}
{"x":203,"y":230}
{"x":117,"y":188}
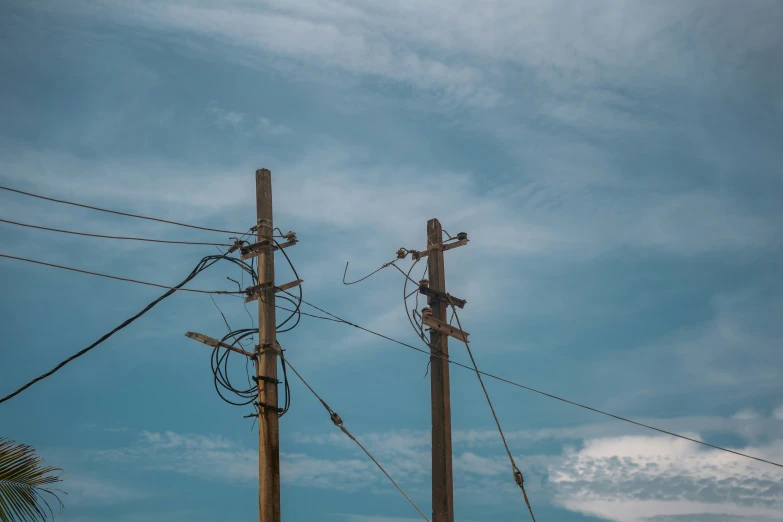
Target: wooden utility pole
{"x":266,"y":363}
{"x":442,"y":485}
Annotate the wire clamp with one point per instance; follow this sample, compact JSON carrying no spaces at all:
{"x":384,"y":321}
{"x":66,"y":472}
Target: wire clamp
{"x":253,"y":292}
{"x":268,"y":347}
{"x":436,"y":295}
{"x":518,"y":477}
{"x":238,"y":245}
{"x":336,"y":419}
{"x":266,"y":406}
{"x":264,"y":378}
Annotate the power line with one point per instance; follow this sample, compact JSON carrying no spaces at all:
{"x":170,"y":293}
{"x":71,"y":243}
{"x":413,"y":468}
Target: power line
{"x":339,"y":423}
{"x":117,"y":212}
{"x":517,"y":472}
{"x":175,"y":288}
{"x":345,"y":272}
{"x":205,"y":263}
{"x":551,"y":396}
{"x":113,"y":237}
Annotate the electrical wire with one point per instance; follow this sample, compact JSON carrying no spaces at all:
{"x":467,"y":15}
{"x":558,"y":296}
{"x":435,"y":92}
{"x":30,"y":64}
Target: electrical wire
{"x":176,"y":288}
{"x":220,"y":359}
{"x":517,"y":472}
{"x":345,"y":272}
{"x":287,"y":389}
{"x":297,"y":312}
{"x":117,"y":212}
{"x":534,"y":390}
{"x":337,"y":420}
{"x":418,"y":331}
{"x":205,"y":263}
{"x":219,"y":363}
{"x":114,"y":237}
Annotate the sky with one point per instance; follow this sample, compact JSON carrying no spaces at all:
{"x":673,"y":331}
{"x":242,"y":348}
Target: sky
{"x":613,"y":163}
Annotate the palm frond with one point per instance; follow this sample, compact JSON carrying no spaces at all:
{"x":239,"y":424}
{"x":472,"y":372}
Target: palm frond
{"x":25,"y":484}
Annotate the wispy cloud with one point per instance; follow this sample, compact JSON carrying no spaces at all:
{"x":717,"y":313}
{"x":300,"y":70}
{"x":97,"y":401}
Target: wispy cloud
{"x":568,"y":49}
{"x":253,"y":125}
{"x":374,"y":518}
{"x":86,"y":489}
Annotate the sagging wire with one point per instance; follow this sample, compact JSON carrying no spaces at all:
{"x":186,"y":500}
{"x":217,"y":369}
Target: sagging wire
{"x":385,"y":265}
{"x":338,"y":319}
{"x":518,"y":478}
{"x":202,"y":265}
{"x":419,"y":331}
{"x":297,"y":305}
{"x":338,"y":421}
{"x":220,"y":358}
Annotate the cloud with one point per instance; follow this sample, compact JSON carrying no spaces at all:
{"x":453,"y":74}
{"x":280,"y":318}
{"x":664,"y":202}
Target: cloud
{"x":216,"y":458}
{"x":563,"y":49}
{"x":252,"y":125}
{"x":607,"y":470}
{"x":746,"y":414}
{"x":375,"y":518}
{"x":227,"y":118}
{"x":633,"y":479}
{"x":604,"y":470}
{"x":190,"y":454}
{"x":90,"y":490}
{"x":335,"y":474}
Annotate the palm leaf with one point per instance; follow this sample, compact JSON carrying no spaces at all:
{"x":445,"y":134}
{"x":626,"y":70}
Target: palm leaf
{"x":25,"y":484}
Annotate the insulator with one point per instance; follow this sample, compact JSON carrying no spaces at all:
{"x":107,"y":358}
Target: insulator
{"x":462,"y":236}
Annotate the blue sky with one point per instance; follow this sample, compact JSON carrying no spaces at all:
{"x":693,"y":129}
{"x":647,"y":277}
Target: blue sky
{"x":614,"y":163}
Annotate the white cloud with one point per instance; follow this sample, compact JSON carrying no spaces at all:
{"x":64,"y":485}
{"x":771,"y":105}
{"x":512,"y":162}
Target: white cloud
{"x":633,"y":479}
{"x":375,"y":518}
{"x":216,"y":458}
{"x":746,"y":414}
{"x":337,"y":474}
{"x":254,"y":125}
{"x":227,"y":118}
{"x":605,"y":470}
{"x":90,"y":490}
{"x":190,"y":454}
{"x":457,"y":52}
{"x":778,"y":414}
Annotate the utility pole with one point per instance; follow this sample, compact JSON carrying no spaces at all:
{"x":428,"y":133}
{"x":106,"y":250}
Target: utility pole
{"x":266,"y":361}
{"x":442,"y":484}
{"x":267,"y":350}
